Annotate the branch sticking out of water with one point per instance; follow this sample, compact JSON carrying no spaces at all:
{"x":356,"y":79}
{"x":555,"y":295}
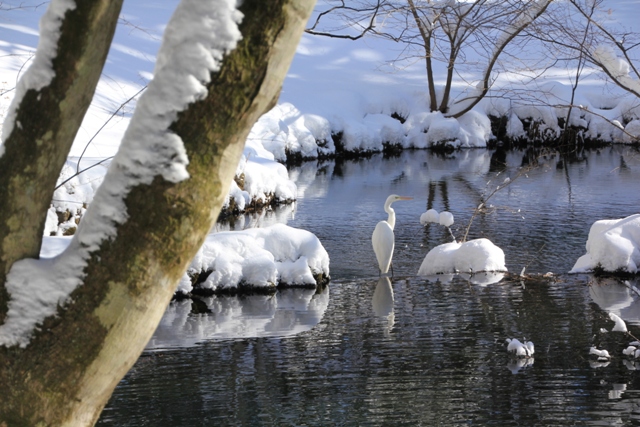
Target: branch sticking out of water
{"x":483,"y":207}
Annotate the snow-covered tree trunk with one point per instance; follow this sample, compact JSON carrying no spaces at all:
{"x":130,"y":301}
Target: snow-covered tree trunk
{"x":71,"y":327}
{"x":51,"y":100}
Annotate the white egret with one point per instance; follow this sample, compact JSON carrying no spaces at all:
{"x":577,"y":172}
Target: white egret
{"x":383,"y":239}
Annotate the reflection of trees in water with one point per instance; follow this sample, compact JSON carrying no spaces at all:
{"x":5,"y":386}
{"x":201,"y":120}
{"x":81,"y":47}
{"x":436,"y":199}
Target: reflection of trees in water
{"x":541,"y":220}
{"x":444,"y":193}
{"x":444,"y":360}
{"x":498,"y":161}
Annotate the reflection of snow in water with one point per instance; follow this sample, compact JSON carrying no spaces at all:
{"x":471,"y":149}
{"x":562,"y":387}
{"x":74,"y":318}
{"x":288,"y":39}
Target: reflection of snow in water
{"x":617,"y":391}
{"x":619,"y":297}
{"x":482,"y":278}
{"x":288,"y":312}
{"x":515,"y":365}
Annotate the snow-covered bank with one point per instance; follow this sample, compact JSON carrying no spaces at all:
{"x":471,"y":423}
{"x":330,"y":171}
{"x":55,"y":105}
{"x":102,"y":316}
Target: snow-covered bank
{"x":288,"y":132}
{"x":334,"y":100}
{"x":339,"y":97}
{"x":252,"y":259}
{"x":478,"y":255}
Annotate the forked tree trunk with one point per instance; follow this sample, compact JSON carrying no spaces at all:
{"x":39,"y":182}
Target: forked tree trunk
{"x":67,"y":372}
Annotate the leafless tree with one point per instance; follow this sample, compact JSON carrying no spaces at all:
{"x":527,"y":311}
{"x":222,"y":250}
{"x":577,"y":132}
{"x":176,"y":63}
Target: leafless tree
{"x":580,"y":34}
{"x":452,"y":34}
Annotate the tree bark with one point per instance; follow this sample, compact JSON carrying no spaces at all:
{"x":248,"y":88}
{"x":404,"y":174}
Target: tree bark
{"x":74,"y":361}
{"x":46,"y":124}
{"x":426,"y":39}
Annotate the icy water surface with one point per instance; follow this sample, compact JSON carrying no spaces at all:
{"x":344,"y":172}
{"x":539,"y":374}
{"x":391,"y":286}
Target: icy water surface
{"x":412,"y":351}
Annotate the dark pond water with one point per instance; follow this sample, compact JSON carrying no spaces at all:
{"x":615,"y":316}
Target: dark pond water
{"x":410,"y":350}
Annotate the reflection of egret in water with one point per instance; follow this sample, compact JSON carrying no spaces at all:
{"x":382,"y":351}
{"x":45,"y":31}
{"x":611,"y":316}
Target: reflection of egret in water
{"x":383,"y":239}
{"x":383,"y":300}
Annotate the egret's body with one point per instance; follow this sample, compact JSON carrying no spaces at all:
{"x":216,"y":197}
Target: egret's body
{"x":383,"y":239}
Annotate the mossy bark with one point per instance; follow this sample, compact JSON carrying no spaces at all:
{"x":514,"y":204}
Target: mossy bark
{"x":47,"y":121}
{"x":71,"y":366}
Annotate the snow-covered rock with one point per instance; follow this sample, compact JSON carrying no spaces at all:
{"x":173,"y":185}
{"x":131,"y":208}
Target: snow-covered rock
{"x":520,"y":349}
{"x":257,"y":258}
{"x":469,"y":257}
{"x":613,"y":245}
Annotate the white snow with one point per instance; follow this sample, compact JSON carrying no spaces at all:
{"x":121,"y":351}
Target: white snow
{"x":519,"y":349}
{"x":430,"y":215}
{"x":339,"y":86}
{"x":334,"y":86}
{"x":479,"y":255}
{"x":613,"y":245}
{"x":258,"y":257}
{"x":618,"y":67}
{"x":619,"y":326}
{"x":445,"y":218}
{"x":600,"y":355}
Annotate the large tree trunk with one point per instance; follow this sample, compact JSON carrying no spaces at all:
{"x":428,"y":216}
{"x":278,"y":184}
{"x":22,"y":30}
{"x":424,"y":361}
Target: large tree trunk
{"x":72,"y":363}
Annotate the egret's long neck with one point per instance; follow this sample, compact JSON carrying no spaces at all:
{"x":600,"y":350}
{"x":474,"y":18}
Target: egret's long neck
{"x":392,"y":216}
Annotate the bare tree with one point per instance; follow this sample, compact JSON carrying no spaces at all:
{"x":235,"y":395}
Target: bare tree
{"x":578,"y":34}
{"x":614,"y":50}
{"x":452,"y":34}
{"x":71,"y":327}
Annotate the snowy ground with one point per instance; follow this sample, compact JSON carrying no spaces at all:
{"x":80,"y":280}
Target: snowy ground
{"x":334,"y":86}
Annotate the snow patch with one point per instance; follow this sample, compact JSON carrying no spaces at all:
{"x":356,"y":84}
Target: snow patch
{"x":40,"y":73}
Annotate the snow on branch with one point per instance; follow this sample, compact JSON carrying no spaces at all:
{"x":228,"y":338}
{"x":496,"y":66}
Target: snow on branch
{"x":617,"y":68}
{"x":41,"y":72}
{"x":197,"y":37}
